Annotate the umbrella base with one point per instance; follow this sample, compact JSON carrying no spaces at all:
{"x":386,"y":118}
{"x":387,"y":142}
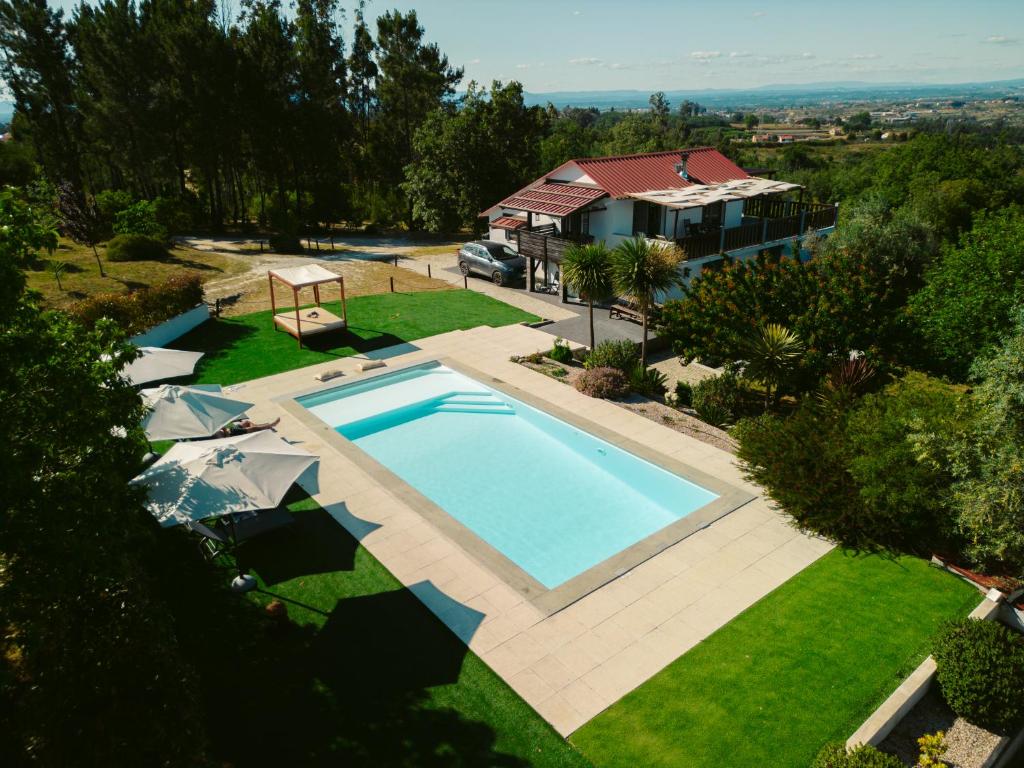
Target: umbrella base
{"x":243,"y":582}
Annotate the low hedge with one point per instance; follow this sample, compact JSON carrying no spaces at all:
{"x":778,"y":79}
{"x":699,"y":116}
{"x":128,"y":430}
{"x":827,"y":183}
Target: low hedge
{"x":980,"y":669}
{"x":138,"y":311}
{"x":135,"y":248}
{"x":836,"y":755}
{"x":621,"y":354}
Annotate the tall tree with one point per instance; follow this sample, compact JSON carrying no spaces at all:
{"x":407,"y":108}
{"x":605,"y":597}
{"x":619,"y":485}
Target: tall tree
{"x":588,"y":269}
{"x":414,"y":78}
{"x":37,"y":65}
{"x":642,"y":271}
{"x":362,"y":71}
{"x":81,"y":220}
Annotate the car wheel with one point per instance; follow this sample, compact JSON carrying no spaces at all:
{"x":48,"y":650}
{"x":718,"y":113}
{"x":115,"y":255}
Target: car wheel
{"x":498,"y":278}
{"x":464,"y":268}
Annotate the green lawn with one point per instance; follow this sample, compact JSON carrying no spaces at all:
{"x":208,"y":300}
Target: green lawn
{"x":803,"y":666}
{"x":247,"y":347}
{"x":364,"y":675}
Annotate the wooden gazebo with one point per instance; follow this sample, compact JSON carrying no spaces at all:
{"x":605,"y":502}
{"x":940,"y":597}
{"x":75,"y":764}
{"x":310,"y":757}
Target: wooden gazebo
{"x":312,"y":320}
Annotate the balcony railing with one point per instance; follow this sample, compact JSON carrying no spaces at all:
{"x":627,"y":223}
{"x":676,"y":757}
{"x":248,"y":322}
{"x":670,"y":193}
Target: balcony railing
{"x":772,"y":220}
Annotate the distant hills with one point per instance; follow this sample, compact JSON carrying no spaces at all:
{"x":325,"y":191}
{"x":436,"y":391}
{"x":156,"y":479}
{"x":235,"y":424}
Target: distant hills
{"x":784,"y":95}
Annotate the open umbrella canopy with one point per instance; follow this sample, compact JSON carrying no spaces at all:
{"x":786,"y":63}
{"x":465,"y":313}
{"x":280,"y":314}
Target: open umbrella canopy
{"x":212,"y":478}
{"x":158,"y":363}
{"x":179,"y":413}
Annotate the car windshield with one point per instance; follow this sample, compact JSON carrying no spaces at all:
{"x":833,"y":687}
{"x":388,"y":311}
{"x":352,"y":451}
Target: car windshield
{"x":504,"y":253}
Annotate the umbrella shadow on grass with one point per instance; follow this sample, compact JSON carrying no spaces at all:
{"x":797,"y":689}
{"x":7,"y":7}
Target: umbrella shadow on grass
{"x":355,"y":691}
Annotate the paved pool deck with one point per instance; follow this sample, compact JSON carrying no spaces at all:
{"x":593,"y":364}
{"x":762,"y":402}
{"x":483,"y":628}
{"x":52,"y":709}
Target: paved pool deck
{"x":571,"y":664}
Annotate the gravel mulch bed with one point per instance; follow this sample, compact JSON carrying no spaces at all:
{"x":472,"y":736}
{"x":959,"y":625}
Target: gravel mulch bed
{"x":663,"y":414}
{"x":969,"y":745}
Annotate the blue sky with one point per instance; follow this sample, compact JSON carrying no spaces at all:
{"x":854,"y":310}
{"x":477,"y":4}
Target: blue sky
{"x":692,"y":44}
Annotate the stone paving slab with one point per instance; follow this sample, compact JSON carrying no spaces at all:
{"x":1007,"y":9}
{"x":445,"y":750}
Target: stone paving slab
{"x":574,"y":663}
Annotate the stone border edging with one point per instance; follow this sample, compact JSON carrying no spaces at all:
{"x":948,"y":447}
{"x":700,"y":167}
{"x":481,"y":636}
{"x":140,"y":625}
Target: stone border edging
{"x":882,"y":721}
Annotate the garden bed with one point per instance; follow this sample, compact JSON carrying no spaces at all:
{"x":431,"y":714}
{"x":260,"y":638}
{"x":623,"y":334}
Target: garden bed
{"x":673,"y":418}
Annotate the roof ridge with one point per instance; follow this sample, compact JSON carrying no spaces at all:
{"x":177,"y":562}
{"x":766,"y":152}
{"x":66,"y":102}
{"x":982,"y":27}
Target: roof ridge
{"x":641,"y":154}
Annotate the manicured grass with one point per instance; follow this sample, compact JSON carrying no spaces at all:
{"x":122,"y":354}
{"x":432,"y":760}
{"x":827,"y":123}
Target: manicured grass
{"x":247,"y":346}
{"x":803,"y":666}
{"x":362,"y":675}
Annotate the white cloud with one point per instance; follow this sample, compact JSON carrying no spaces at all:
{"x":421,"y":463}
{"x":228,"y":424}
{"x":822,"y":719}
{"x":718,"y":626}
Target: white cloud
{"x":522,"y":66}
{"x":759,"y":14}
{"x":705,"y":55}
{"x":806,"y":55}
{"x":473,"y":61}
{"x":618,"y":65}
{"x":739,"y":54}
{"x":586,"y":61}
{"x":1000,"y":40}
{"x":577,"y":13}
{"x":865,"y":56}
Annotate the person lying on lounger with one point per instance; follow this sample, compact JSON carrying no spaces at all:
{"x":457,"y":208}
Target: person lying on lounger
{"x":242,"y":426}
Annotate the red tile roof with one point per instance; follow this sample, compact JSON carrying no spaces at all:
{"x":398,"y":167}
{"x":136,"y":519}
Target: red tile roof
{"x":553,"y":199}
{"x":508,"y":222}
{"x":621,"y":175}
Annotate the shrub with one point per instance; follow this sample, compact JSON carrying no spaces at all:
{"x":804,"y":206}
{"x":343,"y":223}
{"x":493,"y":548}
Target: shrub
{"x":281,"y":243}
{"x":981,"y":672}
{"x":684,"y":394}
{"x":608,"y":383}
{"x":139,"y":311}
{"x":933,"y":747}
{"x":649,"y":382}
{"x":716,"y":400}
{"x":560,"y":352}
{"x":135,"y":248}
{"x":620,"y":354}
{"x":174,"y":214}
{"x":139,"y":219}
{"x":835,"y":755}
{"x":111,"y":202}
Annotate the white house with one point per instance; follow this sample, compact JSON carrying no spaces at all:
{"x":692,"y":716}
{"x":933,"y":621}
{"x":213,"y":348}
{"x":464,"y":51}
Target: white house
{"x":697,"y":198}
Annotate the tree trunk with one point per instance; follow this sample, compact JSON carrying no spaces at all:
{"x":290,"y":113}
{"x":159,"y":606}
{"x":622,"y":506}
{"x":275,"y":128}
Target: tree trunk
{"x":98,"y":262}
{"x":590,"y":304}
{"x":643,"y":344}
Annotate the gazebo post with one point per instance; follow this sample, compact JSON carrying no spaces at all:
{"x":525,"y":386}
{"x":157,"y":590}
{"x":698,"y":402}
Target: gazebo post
{"x":298,"y":323}
{"x":316,"y":294}
{"x":344,"y":307}
{"x":273,"y":305}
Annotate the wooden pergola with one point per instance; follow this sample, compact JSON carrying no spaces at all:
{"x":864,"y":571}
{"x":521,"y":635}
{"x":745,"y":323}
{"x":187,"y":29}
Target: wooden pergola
{"x":312,"y":320}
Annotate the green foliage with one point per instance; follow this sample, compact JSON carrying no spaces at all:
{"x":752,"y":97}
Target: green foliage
{"x":140,"y":219}
{"x":619,"y":353}
{"x":135,"y":248}
{"x":111,"y":202}
{"x":27,"y":232}
{"x":89,"y":652}
{"x":458,"y":169}
{"x":285,"y":243}
{"x":851,"y":296}
{"x":718,"y":399}
{"x":174,"y":214}
{"x":988,"y":460}
{"x":980,"y":669}
{"x":836,"y":755}
{"x":139,"y":311}
{"x":560,"y":352}
{"x":587,"y":268}
{"x":607,"y":383}
{"x":649,"y":382}
{"x":684,"y":394}
{"x":969,"y":294}
{"x":57,"y":269}
{"x":642,"y":272}
{"x":933,"y":747}
{"x":772,"y":355}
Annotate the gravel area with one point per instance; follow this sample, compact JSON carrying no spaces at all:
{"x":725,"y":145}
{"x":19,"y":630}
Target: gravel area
{"x":670,"y":417}
{"x":969,"y":746}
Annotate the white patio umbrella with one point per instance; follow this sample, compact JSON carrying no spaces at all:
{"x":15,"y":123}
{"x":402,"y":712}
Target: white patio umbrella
{"x":212,"y":478}
{"x":178,"y":413}
{"x":158,"y":363}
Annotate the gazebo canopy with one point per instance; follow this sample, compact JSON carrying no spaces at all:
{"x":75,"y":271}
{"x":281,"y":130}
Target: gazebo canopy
{"x":305,"y":275}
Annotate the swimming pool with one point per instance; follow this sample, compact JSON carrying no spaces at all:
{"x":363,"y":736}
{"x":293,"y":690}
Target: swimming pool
{"x":550,"y":497}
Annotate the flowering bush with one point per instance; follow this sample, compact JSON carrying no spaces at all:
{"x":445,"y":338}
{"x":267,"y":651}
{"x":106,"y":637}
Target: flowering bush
{"x":138,"y":311}
{"x":608,"y":383}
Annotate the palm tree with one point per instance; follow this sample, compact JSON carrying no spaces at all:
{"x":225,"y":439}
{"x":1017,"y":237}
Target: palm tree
{"x":587,"y":269}
{"x":640,"y":271}
{"x":773,"y":352}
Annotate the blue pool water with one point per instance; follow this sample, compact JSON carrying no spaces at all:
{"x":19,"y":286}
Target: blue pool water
{"x":553,"y":499}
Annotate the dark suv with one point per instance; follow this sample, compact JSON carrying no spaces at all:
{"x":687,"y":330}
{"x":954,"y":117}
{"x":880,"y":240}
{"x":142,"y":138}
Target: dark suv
{"x":492,"y":259}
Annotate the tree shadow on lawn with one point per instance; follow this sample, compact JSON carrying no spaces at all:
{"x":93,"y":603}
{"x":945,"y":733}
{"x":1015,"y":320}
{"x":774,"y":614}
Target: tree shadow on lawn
{"x":351,"y":692}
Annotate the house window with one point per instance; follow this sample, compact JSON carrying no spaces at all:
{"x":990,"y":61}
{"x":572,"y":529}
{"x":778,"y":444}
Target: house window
{"x":646,"y":218}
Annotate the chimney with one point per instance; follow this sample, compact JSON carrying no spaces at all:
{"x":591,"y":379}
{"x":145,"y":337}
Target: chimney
{"x":681,"y":167}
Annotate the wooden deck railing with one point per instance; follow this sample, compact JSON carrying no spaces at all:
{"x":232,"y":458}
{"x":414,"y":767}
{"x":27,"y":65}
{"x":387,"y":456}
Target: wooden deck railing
{"x":775,"y":220}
